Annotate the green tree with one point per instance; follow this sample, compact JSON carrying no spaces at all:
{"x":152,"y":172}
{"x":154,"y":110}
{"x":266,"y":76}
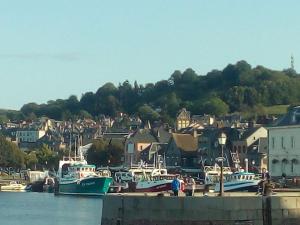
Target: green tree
{"x":10,"y":154}
{"x":31,"y":160}
{"x":98,"y":154}
{"x":146,"y":113}
{"x":88,"y":103}
{"x":46,"y":157}
{"x":115,"y":153}
{"x":216,"y":106}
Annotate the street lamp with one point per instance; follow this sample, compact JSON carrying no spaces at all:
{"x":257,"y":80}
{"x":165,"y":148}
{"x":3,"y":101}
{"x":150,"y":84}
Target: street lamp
{"x":222,"y":142}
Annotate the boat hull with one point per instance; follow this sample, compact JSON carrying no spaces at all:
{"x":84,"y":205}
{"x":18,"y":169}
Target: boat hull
{"x":250,"y":186}
{"x":13,"y":188}
{"x":153,"y":186}
{"x":86,"y":186}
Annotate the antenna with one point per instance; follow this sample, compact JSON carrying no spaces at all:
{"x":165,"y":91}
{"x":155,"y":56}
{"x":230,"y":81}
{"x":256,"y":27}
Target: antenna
{"x":292,"y":62}
{"x":70,"y":146}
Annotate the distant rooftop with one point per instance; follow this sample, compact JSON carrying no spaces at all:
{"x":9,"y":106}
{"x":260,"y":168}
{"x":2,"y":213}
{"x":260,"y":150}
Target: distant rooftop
{"x":292,"y":117}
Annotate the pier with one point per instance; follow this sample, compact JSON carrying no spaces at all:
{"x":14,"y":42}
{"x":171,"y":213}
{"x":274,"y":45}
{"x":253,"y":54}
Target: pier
{"x":232,"y":209}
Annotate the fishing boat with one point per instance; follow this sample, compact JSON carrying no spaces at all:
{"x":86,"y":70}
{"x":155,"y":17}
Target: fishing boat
{"x":240,"y":181}
{"x":157,"y":181}
{"x":77,"y":177}
{"x":13,"y":186}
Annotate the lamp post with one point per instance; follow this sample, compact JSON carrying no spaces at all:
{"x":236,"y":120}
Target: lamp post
{"x":222,"y":142}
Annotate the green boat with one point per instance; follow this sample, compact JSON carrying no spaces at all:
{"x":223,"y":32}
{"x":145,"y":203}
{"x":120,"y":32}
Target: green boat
{"x":76,"y":177}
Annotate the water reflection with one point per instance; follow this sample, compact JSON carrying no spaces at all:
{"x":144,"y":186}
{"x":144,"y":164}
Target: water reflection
{"x":46,"y":209}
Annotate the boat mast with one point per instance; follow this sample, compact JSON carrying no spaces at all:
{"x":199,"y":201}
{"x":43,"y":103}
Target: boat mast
{"x":70,"y":144}
{"x":75,"y":147}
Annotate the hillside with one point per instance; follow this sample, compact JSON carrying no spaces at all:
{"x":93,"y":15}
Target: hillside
{"x":236,"y":88}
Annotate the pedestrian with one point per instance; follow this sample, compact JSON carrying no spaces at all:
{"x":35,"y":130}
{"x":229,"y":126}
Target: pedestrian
{"x":265,"y":176}
{"x":176,"y":185}
{"x":190,"y":187}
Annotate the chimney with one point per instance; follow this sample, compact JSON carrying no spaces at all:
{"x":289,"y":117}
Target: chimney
{"x":158,"y":134}
{"x":195,"y":134}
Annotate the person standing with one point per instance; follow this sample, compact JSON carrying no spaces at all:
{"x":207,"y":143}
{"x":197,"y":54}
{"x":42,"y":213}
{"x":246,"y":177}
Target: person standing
{"x":191,"y":185}
{"x":265,"y":176}
{"x":175,"y":185}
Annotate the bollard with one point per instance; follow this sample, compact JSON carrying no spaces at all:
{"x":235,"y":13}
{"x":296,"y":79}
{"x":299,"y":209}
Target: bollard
{"x":268,"y":189}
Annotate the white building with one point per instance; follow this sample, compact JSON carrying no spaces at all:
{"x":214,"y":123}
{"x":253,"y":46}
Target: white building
{"x":284,"y":150}
{"x":29,"y":135}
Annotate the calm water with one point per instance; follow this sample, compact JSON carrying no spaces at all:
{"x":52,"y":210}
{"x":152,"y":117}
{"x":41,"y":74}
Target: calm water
{"x":29,"y":208}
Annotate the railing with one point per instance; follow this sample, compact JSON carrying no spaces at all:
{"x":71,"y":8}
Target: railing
{"x":72,"y":158}
{"x":216,"y":169}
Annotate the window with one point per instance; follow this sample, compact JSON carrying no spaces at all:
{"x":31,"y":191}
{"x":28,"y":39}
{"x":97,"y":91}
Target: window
{"x":282,"y":143}
{"x":292,"y":142}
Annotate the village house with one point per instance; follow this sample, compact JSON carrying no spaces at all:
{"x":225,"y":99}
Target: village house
{"x":182,"y":151}
{"x":183,"y":119}
{"x":283,"y":145}
{"x":251,"y":147}
{"x":141,"y":140}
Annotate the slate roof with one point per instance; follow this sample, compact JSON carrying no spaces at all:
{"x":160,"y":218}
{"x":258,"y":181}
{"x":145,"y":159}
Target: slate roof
{"x":186,"y":142}
{"x":262,"y":144}
{"x":248,"y":132}
{"x":115,"y":135}
{"x":161,"y":134}
{"x":292,"y":117}
{"x":143,"y":135}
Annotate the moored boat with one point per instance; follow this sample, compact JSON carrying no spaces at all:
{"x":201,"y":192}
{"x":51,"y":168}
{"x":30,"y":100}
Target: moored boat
{"x":240,"y":181}
{"x":13,"y":186}
{"x":76,"y":177}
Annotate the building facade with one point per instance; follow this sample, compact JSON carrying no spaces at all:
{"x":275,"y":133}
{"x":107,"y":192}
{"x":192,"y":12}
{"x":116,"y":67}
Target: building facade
{"x":29,"y":135}
{"x":284,"y":151}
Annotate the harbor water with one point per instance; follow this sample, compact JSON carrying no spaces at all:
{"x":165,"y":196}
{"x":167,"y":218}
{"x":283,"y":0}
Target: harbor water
{"x":30,"y":208}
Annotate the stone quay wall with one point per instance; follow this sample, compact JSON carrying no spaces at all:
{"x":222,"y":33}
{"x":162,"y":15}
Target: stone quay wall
{"x":166,"y":210}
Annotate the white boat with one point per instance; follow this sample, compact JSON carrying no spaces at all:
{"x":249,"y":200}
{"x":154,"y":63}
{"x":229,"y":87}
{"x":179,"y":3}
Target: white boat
{"x":158,"y":180}
{"x":13,"y":186}
{"x":212,"y":174}
{"x":144,"y":178}
{"x":239,"y":181}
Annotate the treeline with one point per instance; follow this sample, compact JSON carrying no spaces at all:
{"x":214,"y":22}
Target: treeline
{"x":39,"y":158}
{"x":236,"y":88}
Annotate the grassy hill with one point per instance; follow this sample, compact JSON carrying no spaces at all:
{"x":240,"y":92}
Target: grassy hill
{"x":276,"y":109}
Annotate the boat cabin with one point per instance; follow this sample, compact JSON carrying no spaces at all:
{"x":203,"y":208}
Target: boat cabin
{"x":80,"y":171}
{"x":241,"y":176}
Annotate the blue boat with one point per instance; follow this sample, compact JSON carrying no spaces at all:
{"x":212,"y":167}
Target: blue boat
{"x":239,"y":181}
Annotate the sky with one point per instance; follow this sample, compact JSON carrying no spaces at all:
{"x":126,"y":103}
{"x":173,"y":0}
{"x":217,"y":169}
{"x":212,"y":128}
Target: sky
{"x":53,"y":49}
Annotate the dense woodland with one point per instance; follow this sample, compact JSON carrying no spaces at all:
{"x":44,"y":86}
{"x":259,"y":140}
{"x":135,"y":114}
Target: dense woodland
{"x":236,"y":88}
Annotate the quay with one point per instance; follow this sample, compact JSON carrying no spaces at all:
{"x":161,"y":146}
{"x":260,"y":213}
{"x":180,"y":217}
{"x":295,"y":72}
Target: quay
{"x":282,"y":208}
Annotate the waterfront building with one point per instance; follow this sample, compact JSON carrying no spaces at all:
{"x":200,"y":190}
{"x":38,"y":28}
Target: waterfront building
{"x":284,"y":154}
{"x":283,"y":145}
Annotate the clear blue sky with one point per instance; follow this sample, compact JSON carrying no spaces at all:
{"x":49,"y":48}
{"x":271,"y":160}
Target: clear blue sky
{"x":52,"y":49}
